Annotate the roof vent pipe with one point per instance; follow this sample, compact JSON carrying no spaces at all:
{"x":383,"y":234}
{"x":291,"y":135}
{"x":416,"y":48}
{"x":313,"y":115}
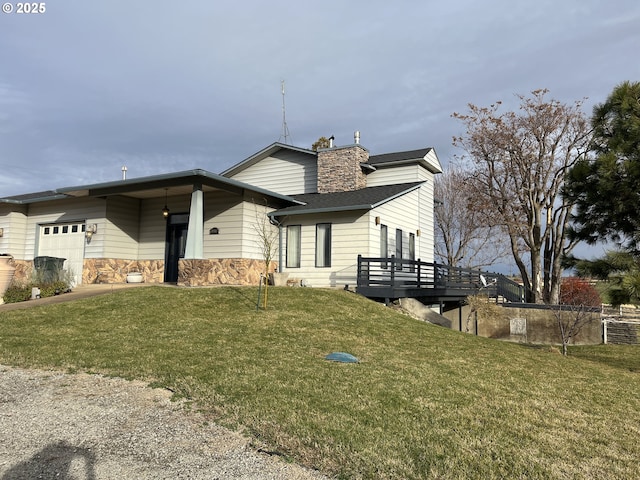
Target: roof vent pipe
{"x":331,"y":139}
{"x":124,"y":172}
{"x":356,"y":137}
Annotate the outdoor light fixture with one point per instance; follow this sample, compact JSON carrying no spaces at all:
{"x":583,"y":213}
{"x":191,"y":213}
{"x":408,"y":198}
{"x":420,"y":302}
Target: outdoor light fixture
{"x":91,"y":229}
{"x":377,"y":220}
{"x":165,"y":210}
{"x":1,"y":232}
{"x":214,"y":231}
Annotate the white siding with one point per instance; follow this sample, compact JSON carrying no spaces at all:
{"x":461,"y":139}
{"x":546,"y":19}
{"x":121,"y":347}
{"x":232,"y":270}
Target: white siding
{"x":401,"y":213}
{"x":427,"y":239}
{"x":433,"y":160}
{"x":225,"y":213}
{"x":357,"y":233}
{"x":349,"y":237}
{"x":236,"y":222}
{"x":233,"y":219}
{"x":153,"y":226}
{"x":91,"y":210}
{"x":395,"y":175}
{"x":14,"y":225}
{"x":411,"y":213}
{"x":122,"y":228}
{"x":253,"y":215}
{"x":289,"y":173}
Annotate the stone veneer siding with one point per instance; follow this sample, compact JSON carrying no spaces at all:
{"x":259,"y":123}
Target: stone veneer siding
{"x":191,"y":273}
{"x":24,"y":271}
{"x":339,"y":169}
{"x":114,"y":270}
{"x":220,"y":271}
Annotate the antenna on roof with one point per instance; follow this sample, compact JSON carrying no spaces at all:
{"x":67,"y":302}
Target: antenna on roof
{"x":285,"y":130}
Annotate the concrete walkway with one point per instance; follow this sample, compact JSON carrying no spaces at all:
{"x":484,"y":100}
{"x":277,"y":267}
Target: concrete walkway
{"x":78,"y":292}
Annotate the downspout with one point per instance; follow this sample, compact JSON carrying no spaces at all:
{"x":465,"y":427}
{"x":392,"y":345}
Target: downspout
{"x":277,"y":223}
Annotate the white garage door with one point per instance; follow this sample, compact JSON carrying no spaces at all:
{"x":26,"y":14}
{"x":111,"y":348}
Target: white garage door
{"x":64,"y":240}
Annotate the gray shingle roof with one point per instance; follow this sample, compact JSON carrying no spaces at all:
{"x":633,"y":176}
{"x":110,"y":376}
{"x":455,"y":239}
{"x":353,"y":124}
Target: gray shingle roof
{"x":363,"y":199}
{"x":398,"y":156}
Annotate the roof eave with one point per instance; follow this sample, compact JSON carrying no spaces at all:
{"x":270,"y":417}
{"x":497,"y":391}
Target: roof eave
{"x":13,"y":201}
{"x":399,"y":194}
{"x":186,"y":176}
{"x":421,"y":161}
{"x":346,"y":208}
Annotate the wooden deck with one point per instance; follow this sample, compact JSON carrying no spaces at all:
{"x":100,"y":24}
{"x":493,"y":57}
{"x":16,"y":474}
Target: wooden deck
{"x":392,"y":278}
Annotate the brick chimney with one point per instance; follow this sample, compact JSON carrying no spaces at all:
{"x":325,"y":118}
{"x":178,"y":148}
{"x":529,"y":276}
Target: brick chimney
{"x":339,"y":168}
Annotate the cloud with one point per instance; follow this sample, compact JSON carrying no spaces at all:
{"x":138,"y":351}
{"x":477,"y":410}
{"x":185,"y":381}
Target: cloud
{"x":89,"y":86}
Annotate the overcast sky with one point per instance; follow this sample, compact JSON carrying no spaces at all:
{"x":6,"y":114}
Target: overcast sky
{"x":162,"y":86}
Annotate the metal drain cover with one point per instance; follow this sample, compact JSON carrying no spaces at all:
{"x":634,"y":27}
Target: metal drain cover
{"x":341,"y":357}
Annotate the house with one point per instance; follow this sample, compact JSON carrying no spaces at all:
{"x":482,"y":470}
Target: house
{"x":199,"y":228}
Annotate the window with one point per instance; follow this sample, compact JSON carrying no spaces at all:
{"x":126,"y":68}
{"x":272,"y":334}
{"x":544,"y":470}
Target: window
{"x":293,"y":246}
{"x":399,"y":247}
{"x":323,"y":245}
{"x":384,"y":245}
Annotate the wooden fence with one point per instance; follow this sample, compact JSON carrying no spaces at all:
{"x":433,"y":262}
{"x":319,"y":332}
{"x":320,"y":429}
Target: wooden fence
{"x":621,"y":325}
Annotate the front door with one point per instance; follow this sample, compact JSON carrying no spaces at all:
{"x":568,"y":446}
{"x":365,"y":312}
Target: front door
{"x":175,"y":245}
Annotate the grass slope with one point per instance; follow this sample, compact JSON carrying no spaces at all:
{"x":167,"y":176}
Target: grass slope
{"x":424,"y":402}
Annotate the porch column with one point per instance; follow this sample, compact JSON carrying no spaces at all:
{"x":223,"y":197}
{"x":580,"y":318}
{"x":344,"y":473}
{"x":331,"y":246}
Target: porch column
{"x":195,"y":233}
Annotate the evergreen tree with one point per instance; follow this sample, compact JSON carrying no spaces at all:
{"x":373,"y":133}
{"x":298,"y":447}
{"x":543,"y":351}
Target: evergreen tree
{"x":606,"y":188}
{"x":621,"y":272}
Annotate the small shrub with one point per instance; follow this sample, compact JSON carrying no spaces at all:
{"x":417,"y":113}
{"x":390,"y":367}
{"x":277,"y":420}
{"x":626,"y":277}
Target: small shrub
{"x":53,"y":288}
{"x":17,"y":293}
{"x":52,"y":283}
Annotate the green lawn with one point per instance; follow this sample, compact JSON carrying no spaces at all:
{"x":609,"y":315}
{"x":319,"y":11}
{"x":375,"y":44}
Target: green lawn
{"x":424,"y":402}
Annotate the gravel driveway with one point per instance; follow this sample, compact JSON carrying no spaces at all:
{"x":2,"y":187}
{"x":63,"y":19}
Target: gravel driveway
{"x":80,"y":426}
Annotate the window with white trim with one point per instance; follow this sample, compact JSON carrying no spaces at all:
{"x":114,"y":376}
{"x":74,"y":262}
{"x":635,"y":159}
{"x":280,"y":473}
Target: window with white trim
{"x":399,"y":247}
{"x":384,"y":244}
{"x":293,"y":246}
{"x":323,"y":245}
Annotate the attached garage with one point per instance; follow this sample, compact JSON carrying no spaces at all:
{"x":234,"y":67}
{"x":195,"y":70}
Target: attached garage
{"x":64,"y":240}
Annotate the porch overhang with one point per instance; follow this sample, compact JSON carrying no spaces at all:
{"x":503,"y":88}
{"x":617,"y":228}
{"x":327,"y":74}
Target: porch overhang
{"x":176,"y":183}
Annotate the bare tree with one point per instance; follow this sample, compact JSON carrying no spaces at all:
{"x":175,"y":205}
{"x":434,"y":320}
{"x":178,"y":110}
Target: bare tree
{"x":267,"y":236}
{"x":267,"y":240}
{"x":520,"y":161}
{"x":465,"y":237}
{"x":580,"y":307}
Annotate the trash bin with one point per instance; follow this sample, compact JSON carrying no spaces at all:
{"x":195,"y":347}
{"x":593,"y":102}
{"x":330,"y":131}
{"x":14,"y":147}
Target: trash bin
{"x":48,"y":268}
